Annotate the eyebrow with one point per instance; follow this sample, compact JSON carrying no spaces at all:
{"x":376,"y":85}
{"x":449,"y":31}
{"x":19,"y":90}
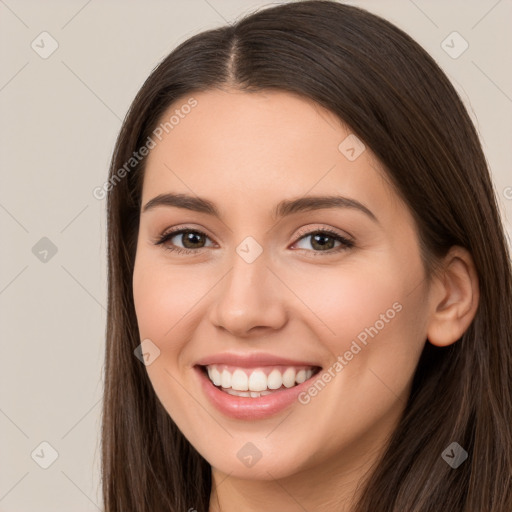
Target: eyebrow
{"x":284,"y":208}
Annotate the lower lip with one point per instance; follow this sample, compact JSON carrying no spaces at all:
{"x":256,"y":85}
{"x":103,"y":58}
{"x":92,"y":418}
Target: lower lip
{"x":244,"y":408}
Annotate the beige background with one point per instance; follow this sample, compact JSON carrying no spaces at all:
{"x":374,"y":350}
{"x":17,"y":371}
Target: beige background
{"x":59,"y":120}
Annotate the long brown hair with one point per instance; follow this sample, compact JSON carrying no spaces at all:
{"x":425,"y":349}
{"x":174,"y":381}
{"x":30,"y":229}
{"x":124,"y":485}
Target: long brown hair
{"x":396,"y":99}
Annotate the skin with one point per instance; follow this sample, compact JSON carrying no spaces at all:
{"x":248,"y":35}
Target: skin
{"x":245,"y":152}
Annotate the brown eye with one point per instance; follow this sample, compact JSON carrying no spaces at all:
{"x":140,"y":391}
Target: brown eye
{"x":324,"y":241}
{"x":192,"y":240}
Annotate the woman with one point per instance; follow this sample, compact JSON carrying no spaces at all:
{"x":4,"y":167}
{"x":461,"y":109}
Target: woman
{"x":307,"y":259}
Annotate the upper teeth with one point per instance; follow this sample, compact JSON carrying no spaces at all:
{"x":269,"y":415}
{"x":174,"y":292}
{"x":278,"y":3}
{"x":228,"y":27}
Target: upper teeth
{"x":257,"y":379}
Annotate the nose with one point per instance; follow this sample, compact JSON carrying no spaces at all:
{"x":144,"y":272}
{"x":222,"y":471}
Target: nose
{"x":250,"y":300}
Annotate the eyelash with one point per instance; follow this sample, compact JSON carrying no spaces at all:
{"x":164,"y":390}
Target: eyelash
{"x":346,"y":243}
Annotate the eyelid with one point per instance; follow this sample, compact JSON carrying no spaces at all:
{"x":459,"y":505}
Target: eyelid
{"x":309,"y":230}
{"x":183,"y":227}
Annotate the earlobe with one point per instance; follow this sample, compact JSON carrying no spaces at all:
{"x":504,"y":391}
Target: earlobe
{"x":454,"y":298}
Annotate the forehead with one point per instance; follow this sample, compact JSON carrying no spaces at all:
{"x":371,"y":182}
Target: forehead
{"x":259,"y":147}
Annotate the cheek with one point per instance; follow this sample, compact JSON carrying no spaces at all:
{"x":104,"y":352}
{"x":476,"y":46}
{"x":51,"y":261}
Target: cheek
{"x":163,"y":297}
{"x":350,"y":298}
{"x":169,"y":307}
{"x":150,"y":301}
{"x":161,"y":311}
{"x":372,"y":320}
{"x":158,"y":309}
{"x":373,"y":325}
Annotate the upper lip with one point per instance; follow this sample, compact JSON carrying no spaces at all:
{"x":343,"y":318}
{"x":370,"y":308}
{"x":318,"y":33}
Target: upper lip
{"x":252,"y":360}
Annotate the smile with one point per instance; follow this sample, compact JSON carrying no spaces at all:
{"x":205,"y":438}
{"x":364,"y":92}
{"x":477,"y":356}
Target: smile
{"x":256,"y":382}
{"x":253,"y":393}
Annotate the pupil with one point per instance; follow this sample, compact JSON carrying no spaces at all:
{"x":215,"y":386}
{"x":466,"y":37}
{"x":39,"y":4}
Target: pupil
{"x":323,"y":244}
{"x":189,"y":237}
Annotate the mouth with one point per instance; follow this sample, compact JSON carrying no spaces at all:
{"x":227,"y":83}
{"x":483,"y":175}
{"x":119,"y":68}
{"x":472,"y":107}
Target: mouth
{"x":257,"y":382}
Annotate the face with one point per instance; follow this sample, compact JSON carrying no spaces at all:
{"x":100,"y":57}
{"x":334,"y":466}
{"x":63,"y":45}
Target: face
{"x":317,"y":308}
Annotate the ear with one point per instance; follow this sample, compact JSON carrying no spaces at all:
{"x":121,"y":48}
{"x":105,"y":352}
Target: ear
{"x":454,"y":297}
